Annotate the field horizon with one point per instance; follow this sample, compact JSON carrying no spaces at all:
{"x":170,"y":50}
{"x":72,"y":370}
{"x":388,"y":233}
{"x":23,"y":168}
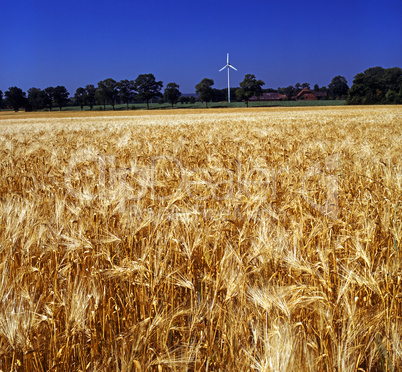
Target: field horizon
{"x":196,"y":106}
{"x":176,"y":111}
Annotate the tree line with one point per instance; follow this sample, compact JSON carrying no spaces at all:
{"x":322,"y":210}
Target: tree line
{"x":375,"y":85}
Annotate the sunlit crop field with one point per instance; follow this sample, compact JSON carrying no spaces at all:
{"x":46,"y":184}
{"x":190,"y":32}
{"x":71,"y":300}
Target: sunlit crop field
{"x":209,"y":240}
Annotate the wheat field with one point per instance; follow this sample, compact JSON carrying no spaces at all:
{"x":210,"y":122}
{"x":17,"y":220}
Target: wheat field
{"x":209,"y":240}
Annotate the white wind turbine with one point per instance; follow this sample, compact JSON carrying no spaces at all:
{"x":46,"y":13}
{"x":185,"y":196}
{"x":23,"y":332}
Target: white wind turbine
{"x":228,"y":66}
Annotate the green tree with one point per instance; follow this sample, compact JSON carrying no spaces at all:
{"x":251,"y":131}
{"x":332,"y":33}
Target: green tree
{"x":289,"y":91}
{"x":16,"y":98}
{"x":393,"y":85}
{"x":205,"y":90}
{"x":172,"y":93}
{"x":221,"y":95}
{"x":126,"y":91}
{"x":357,"y":93}
{"x":376,"y":85}
{"x":249,"y":87}
{"x":36,"y":98}
{"x":49,"y":92}
{"x":1,"y":99}
{"x":90,"y":93}
{"x":305,"y":86}
{"x":107,"y":92}
{"x":338,"y":88}
{"x":147,"y":87}
{"x":112,"y":91}
{"x":60,"y":96}
{"x":80,"y":97}
{"x":101,"y":95}
{"x":391,"y":96}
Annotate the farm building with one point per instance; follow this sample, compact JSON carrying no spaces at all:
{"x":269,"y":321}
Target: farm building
{"x":269,"y":97}
{"x":309,"y":95}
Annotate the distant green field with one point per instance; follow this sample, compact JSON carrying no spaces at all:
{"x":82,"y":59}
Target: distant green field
{"x":198,"y":105}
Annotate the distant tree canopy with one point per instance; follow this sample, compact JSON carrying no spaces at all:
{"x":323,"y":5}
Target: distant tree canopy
{"x":289,"y":91}
{"x":126,"y":91}
{"x":172,"y":93}
{"x":249,"y":87}
{"x":220,"y":94}
{"x":147,"y":87}
{"x":90,"y":92}
{"x":49,"y":97}
{"x":107,"y":92}
{"x":376,"y":85}
{"x":80,"y":97}
{"x":36,"y":99}
{"x":15,"y":98}
{"x":205,"y":90}
{"x":338,"y":88}
{"x":60,"y":96}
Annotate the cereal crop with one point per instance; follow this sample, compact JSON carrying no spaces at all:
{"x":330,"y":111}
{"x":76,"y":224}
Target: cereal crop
{"x":212,"y":240}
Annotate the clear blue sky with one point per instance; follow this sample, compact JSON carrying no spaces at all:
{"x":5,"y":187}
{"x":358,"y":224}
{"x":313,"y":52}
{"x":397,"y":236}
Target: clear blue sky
{"x":73,"y":43}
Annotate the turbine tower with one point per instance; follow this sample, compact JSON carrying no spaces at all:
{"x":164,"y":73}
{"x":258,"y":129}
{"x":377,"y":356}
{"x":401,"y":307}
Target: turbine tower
{"x":228,"y":66}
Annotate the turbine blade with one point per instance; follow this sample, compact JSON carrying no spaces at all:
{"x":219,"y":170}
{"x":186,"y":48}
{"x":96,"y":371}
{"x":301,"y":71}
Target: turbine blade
{"x":234,"y":68}
{"x":222,"y":68}
{"x":228,"y":58}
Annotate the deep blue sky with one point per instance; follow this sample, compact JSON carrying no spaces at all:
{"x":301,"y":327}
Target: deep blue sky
{"x":73,"y":43}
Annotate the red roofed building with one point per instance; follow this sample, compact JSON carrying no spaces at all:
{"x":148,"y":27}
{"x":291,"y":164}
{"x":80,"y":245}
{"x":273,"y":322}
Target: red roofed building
{"x":308,"y":95}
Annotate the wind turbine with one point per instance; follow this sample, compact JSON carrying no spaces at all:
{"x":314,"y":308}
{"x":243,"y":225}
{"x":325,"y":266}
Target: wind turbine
{"x":228,"y":66}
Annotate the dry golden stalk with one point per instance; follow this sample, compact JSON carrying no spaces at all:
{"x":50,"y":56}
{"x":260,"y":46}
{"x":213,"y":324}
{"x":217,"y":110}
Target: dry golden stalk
{"x":261,"y":239}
